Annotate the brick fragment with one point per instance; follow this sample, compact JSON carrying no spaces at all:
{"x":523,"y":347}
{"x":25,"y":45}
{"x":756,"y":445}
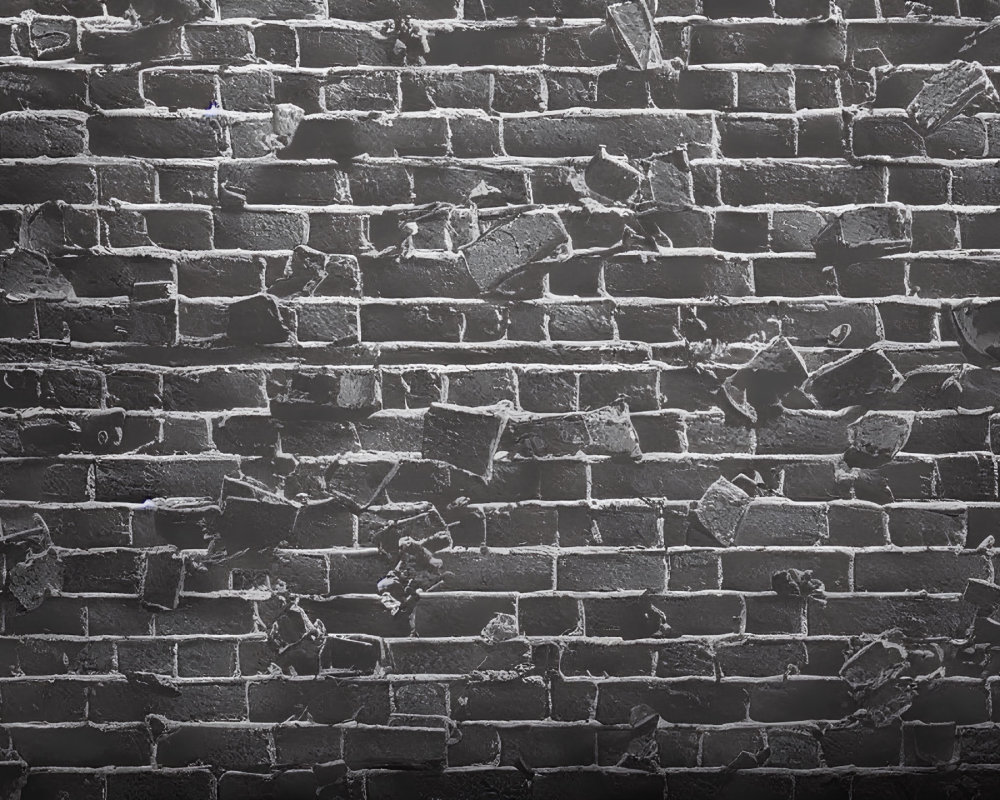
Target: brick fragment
{"x":756,"y":389}
{"x":162,"y":578}
{"x":670,"y":183}
{"x":253,"y":517}
{"x":977,"y":328}
{"x":796,"y":583}
{"x":36,"y":577}
{"x":605,"y":431}
{"x":506,"y":250}
{"x":310,"y":272}
{"x":858,"y":379}
{"x":612,"y":177}
{"x":982,"y":594}
{"x":874,"y":664}
{"x":947,"y":93}
{"x":257,"y":320}
{"x":876,"y":438}
{"x":720,"y":510}
{"x":24,"y":275}
{"x":636,"y":35}
{"x":865,"y":233}
{"x":466,"y":438}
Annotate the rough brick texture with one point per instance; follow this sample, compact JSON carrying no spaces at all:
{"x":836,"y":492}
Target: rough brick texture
{"x":404,"y":399}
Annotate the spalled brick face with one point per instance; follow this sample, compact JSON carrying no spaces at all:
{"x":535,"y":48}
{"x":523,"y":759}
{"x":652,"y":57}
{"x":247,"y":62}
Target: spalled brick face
{"x":285,"y":281}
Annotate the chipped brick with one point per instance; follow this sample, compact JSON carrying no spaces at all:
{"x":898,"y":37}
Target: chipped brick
{"x":506,"y":250}
{"x":466,"y":438}
{"x":876,"y":438}
{"x":720,"y":510}
{"x":859,"y":379}
{"x":603,"y":432}
{"x":947,"y":94}
{"x":864,"y":233}
{"x":636,"y":35}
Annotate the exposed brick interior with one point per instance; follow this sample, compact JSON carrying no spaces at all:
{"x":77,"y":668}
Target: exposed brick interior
{"x":499,"y":399}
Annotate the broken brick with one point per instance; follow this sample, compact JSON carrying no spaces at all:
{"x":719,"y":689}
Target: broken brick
{"x":501,"y":628}
{"x":509,"y":248}
{"x":349,"y":654}
{"x":670,"y":183}
{"x":466,"y":438}
{"x":161,"y":578}
{"x":56,"y":226}
{"x":868,"y":232}
{"x":874,"y":665}
{"x":796,"y":583}
{"x":36,"y":577}
{"x":857,"y":379}
{"x":310,"y":273}
{"x":634,"y":31}
{"x":719,"y":511}
{"x":257,"y":320}
{"x":338,"y":396}
{"x":982,"y":594}
{"x":947,"y":93}
{"x":876,"y":438}
{"x":253,"y":517}
{"x":24,"y":275}
{"x":605,"y":431}
{"x":359,"y":484}
{"x":977,"y":327}
{"x":757,"y":388}
{"x":612,"y":177}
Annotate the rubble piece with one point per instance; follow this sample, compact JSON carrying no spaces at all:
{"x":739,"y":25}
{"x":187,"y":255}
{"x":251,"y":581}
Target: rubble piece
{"x":884,"y":704}
{"x":982,"y":594}
{"x":466,"y":438}
{"x":638,"y":42}
{"x":418,"y":571}
{"x":502,"y":628}
{"x":254,"y":517}
{"x":876,"y":438}
{"x":292,"y":628}
{"x":670,"y":185}
{"x":977,"y":327}
{"x":507,"y":249}
{"x":864,"y":233}
{"x":162,"y":578}
{"x":875,"y":664}
{"x":757,"y":388}
{"x":311,"y":272}
{"x":612,"y":177}
{"x":28,"y":275}
{"x":797,"y":583}
{"x":754,"y":485}
{"x":643,"y":750}
{"x":339,"y":396}
{"x":748,"y":760}
{"x":947,"y":94}
{"x":859,"y":379}
{"x":720,"y":510}
{"x":257,"y":320}
{"x":36,"y":577}
{"x":643,"y":620}
{"x":606,"y":431}
{"x":425,"y":525}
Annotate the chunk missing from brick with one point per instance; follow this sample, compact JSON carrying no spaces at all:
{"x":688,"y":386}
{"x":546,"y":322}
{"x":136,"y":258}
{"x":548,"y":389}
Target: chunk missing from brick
{"x":36,"y":577}
{"x":162,"y":578}
{"x":502,"y":628}
{"x":948,"y":93}
{"x":859,"y":379}
{"x":635,"y":33}
{"x":253,"y":517}
{"x":157,"y":12}
{"x":977,"y":328}
{"x":311,"y":272}
{"x":669,"y":183}
{"x":874,"y":665}
{"x":465,"y":438}
{"x":338,"y":396}
{"x":604,"y":431}
{"x":719,"y":511}
{"x":797,"y":583}
{"x":876,"y":438}
{"x":612,"y":177}
{"x":56,"y":226}
{"x":509,"y":248}
{"x":865,"y":233}
{"x":756,"y":389}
